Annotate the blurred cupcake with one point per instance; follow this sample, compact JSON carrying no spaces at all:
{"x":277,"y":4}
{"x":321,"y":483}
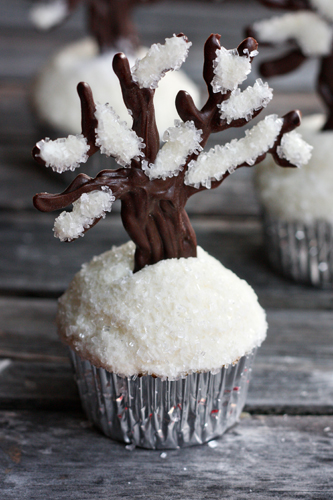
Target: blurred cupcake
{"x":298,"y":205}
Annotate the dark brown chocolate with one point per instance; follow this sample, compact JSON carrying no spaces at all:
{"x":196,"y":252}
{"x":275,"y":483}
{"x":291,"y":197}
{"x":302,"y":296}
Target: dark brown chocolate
{"x":153,"y":211}
{"x":295,"y":58}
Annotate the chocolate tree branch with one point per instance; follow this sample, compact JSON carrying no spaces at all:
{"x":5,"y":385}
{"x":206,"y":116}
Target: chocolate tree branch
{"x":282,"y":65}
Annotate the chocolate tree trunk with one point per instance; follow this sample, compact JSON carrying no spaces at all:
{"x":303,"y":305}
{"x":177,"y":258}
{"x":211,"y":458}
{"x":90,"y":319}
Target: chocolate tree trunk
{"x":154,"y":217}
{"x":110,"y":23}
{"x":325,"y":88}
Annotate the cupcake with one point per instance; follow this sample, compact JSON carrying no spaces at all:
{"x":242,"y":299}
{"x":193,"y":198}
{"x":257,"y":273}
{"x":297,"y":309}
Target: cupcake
{"x":53,"y":95}
{"x":161,"y":335}
{"x":298,"y":206}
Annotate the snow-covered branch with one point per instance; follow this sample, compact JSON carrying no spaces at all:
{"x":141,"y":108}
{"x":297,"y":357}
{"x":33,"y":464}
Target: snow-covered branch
{"x":294,"y":149}
{"x":47,"y":15}
{"x":63,"y":154}
{"x":181,"y":141}
{"x":313,"y":34}
{"x":159,"y":59}
{"x":115,"y":138}
{"x":86,"y":210}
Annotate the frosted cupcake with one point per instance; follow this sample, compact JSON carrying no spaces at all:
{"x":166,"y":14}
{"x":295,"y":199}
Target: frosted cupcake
{"x":298,"y":206}
{"x":54,"y":97}
{"x":162,"y":336}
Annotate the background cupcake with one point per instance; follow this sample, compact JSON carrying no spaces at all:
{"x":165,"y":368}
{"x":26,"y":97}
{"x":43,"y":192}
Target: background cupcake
{"x":162,"y":335}
{"x":298,"y":206}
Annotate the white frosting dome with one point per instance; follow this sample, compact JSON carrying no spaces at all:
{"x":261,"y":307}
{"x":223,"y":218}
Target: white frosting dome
{"x":170,"y":319}
{"x":303,"y":194}
{"x":55,"y":98}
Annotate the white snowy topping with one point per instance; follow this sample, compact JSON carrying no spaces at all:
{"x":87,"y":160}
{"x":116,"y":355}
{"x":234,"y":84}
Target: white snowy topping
{"x":324,"y":7}
{"x":65,"y":153}
{"x":170,"y":319}
{"x":230,"y":69}
{"x":294,"y":149}
{"x":180,"y":142}
{"x":46,"y":15}
{"x":244,"y":104}
{"x":313,"y":35}
{"x":149,"y":70}
{"x":90,"y":206}
{"x":304,"y":194}
{"x":115,"y":138}
{"x":221,"y":159}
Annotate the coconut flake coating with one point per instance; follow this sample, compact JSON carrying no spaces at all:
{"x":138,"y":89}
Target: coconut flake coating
{"x":170,"y":319}
{"x":303,"y":194}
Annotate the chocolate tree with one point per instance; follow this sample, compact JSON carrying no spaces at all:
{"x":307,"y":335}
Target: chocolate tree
{"x":154,"y":184}
{"x":310,"y":35}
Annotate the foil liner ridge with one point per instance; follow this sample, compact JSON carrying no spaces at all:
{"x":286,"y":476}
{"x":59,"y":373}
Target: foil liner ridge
{"x":152,"y":413}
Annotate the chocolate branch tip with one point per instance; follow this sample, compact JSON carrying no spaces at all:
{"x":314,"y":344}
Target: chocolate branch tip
{"x":247,"y":46}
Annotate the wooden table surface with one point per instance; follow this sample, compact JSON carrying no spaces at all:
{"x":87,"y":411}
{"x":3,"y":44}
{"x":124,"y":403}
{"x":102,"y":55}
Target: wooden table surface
{"x":282,"y":447}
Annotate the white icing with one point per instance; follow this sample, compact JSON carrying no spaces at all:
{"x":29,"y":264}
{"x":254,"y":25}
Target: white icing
{"x":301,"y":194}
{"x":159,"y":59}
{"x":324,"y":7}
{"x":55,"y":97}
{"x":90,"y":206}
{"x":313,"y":34}
{"x":221,"y":159}
{"x":114,"y":137}
{"x":46,"y":15}
{"x":244,"y":104}
{"x":65,"y":153}
{"x":170,"y":319}
{"x":180,"y":142}
{"x":230,"y":69}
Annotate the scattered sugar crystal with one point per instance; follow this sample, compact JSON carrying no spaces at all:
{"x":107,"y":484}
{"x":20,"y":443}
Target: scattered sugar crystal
{"x":324,"y":7}
{"x":180,"y":142}
{"x":64,"y":154}
{"x":115,"y":138}
{"x":313,"y":34}
{"x":159,"y":59}
{"x":327,"y":429}
{"x":213,"y":444}
{"x":294,"y":149}
{"x":163,"y":455}
{"x":46,"y":15}
{"x":243,"y":104}
{"x":90,"y":206}
{"x":230,"y":69}
{"x":221,"y":159}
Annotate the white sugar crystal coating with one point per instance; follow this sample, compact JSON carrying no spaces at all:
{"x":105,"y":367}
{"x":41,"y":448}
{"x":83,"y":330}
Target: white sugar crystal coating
{"x":114,"y":137}
{"x":230,"y":69}
{"x":170,"y":319}
{"x":221,"y":159}
{"x":90,"y":206}
{"x":55,"y":98}
{"x":313,"y":34}
{"x":295,"y":149}
{"x":324,"y":7}
{"x":301,"y":194}
{"x":243,"y":104}
{"x":46,"y":15}
{"x":65,"y":153}
{"x":159,"y":59}
{"x":180,"y":141}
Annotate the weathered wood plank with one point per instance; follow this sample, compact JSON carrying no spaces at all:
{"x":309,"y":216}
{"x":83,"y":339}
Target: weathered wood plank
{"x":59,"y":456}
{"x":33,"y":262}
{"x":293,"y":372}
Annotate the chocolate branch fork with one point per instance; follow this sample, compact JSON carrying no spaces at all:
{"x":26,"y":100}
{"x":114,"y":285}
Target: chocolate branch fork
{"x":154,"y":184}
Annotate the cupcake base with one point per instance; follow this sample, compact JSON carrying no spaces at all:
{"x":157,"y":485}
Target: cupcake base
{"x":301,"y":251}
{"x":152,"y":413}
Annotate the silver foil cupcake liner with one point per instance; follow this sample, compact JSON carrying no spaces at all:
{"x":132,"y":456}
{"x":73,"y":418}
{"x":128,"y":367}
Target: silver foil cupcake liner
{"x":301,"y":251}
{"x":149,"y":412}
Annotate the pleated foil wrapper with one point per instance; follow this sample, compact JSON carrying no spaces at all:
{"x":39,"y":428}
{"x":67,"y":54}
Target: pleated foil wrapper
{"x":149,"y":412}
{"x":303,"y":252}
